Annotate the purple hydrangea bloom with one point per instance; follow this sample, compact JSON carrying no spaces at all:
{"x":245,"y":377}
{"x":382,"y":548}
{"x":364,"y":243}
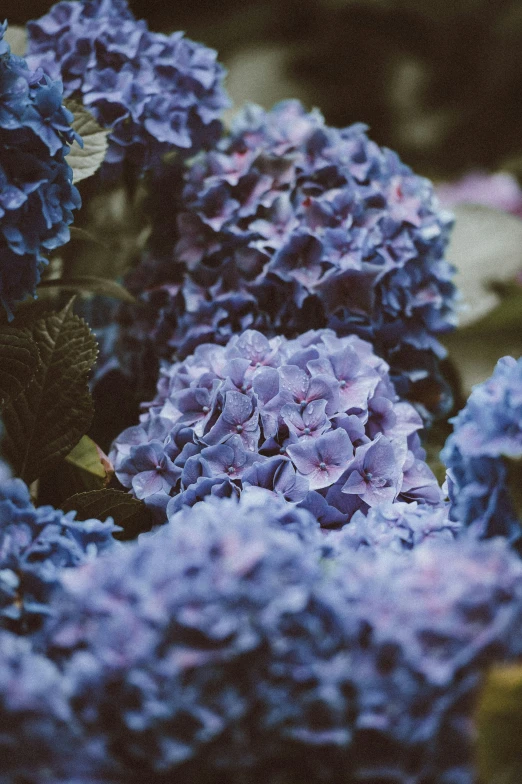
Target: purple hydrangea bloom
{"x":487,"y":437}
{"x":290,"y":225}
{"x":424,"y":625}
{"x":500,"y":190}
{"x":206,"y":651}
{"x":156,"y":92}
{"x":294,"y":418}
{"x":37,"y":196}
{"x":35,"y":545}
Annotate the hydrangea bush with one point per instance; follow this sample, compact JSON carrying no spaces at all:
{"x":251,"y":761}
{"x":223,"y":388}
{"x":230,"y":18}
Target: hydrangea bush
{"x":216,"y":652}
{"x":487,"y":434}
{"x":289,"y":224}
{"x":158,"y":93}
{"x":35,"y":545}
{"x":315,"y":420}
{"x":37,"y":197}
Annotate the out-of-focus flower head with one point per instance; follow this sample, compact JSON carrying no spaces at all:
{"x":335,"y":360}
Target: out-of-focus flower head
{"x":290,"y":225}
{"x":35,"y":545}
{"x":37,"y":196}
{"x":425,"y":625}
{"x":500,"y":190}
{"x":483,"y":455}
{"x":204,"y":650}
{"x":156,"y":92}
{"x":315,"y":420}
{"x":398,"y":526}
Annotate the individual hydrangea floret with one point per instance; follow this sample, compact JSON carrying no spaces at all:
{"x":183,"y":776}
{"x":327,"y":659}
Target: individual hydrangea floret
{"x":156,"y":92}
{"x":314,"y":420}
{"x":483,"y":454}
{"x":35,"y":545}
{"x":425,"y":624}
{"x":290,"y":225}
{"x":37,"y":196}
{"x":203,"y":650}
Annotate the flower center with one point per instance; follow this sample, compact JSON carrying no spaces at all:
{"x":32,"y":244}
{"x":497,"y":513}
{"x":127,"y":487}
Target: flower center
{"x":322,"y":466}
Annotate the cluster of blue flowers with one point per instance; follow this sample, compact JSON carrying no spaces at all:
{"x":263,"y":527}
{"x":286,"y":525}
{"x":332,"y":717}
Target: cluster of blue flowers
{"x":36,"y":192}
{"x":156,"y":92}
{"x":218,"y":648}
{"x":289,"y":224}
{"x":35,"y":545}
{"x":315,"y":420}
{"x":487,"y":435}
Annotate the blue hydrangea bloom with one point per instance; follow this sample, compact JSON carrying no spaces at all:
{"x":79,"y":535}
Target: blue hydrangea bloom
{"x":156,"y":92}
{"x":290,"y":225}
{"x":36,"y":192}
{"x":487,"y":434}
{"x":35,"y":545}
{"x":220,"y":648}
{"x":315,"y":420}
{"x":425,"y":624}
{"x":205,"y":651}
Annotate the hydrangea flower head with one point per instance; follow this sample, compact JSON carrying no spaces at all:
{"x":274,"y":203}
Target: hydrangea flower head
{"x":203,"y":650}
{"x":487,"y":436}
{"x":35,"y":545}
{"x":314,"y":420}
{"x":156,"y":92}
{"x":37,"y":196}
{"x":290,"y":225}
{"x":424,"y":626}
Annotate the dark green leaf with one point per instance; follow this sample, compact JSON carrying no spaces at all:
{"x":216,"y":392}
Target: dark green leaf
{"x":87,"y":160}
{"x":19,"y":360}
{"x":499,"y":719}
{"x":83,"y":235}
{"x":93,"y":466}
{"x":100,"y":286}
{"x":132,"y":515}
{"x":45,"y":421}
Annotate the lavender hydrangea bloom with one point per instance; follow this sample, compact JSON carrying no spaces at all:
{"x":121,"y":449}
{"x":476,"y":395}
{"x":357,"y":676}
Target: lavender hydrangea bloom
{"x":36,"y":192}
{"x":487,"y":435}
{"x":424,"y":625}
{"x":204,"y":650}
{"x":290,"y":225}
{"x":294,"y":418}
{"x":35,"y":545}
{"x":156,"y":92}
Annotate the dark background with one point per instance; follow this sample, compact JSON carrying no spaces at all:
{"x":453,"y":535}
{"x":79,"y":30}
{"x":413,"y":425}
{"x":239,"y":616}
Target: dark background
{"x":439,"y":82}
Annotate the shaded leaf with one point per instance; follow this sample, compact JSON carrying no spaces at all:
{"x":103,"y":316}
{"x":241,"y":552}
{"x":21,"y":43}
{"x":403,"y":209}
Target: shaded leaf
{"x":84,"y":236}
{"x":499,"y":720}
{"x":16,"y":37}
{"x":87,"y":160}
{"x":100,"y":286}
{"x":486,"y":248}
{"x":128,"y":512}
{"x":45,"y":421}
{"x":19,"y":360}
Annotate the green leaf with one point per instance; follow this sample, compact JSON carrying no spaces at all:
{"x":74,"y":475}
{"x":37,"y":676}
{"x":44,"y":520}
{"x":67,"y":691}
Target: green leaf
{"x":45,"y":421}
{"x":499,"y":721}
{"x":86,"y":162}
{"x":16,"y":37}
{"x":100,"y":286}
{"x":91,"y":463}
{"x":133,"y":515}
{"x":19,"y":359}
{"x":82,"y":235}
